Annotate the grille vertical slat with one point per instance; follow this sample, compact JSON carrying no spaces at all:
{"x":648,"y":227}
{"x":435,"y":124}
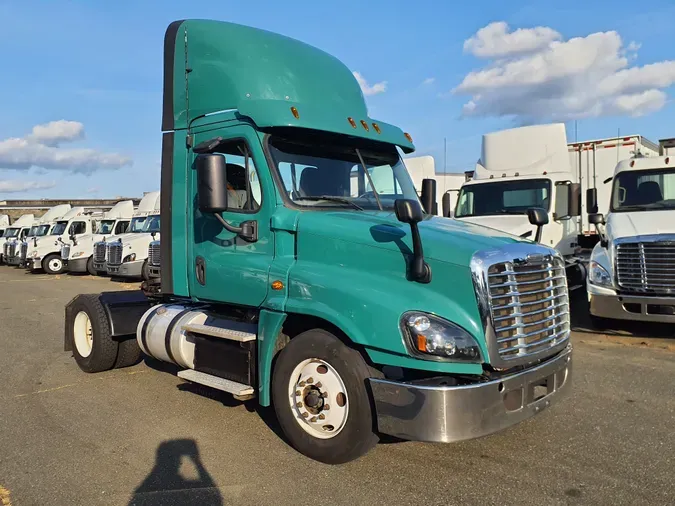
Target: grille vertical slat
{"x":646,"y":267}
{"x":115,"y":253}
{"x":529,"y":306}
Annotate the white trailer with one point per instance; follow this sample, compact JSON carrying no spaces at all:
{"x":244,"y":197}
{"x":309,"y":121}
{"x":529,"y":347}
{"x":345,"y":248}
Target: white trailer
{"x":447,"y":184}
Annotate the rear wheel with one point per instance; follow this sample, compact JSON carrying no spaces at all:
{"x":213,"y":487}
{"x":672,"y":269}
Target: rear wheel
{"x":90,"y":266}
{"x":320,"y":398}
{"x":128,"y":353}
{"x":52,"y":264}
{"x":94,"y":348}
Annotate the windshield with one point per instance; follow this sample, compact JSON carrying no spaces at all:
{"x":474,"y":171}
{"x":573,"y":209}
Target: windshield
{"x":105,"y":227}
{"x":503,"y":197}
{"x":151,"y":224}
{"x":644,"y":190}
{"x":12,"y":232}
{"x":137,"y":224}
{"x":324,"y":174}
{"x":59,"y":228}
{"x":42,"y":230}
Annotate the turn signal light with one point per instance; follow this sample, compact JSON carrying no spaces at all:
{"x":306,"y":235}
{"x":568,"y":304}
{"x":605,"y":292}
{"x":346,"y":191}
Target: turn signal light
{"x":295,"y":112}
{"x":408,"y":136}
{"x":277,"y":285}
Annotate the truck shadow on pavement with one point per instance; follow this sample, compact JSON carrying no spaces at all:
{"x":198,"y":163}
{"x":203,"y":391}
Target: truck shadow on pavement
{"x":177,"y":478}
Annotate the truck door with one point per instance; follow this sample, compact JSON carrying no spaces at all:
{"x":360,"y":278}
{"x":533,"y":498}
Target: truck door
{"x":222,"y":266}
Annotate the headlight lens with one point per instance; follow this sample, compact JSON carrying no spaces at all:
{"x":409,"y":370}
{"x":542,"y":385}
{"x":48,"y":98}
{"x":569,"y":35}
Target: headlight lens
{"x":130,"y":258}
{"x":33,"y":254}
{"x":598,"y":275}
{"x":433,"y":337}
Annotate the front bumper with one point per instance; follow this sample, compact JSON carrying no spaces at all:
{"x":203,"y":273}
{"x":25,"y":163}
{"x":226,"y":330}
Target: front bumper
{"x":453,"y":413}
{"x":127,"y":269}
{"x":606,"y":303}
{"x":33,"y":264}
{"x":77,"y":264}
{"x":15,"y":260}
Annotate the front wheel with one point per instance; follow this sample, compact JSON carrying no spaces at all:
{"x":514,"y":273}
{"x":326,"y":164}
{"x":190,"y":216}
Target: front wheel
{"x":52,"y":264}
{"x":145,"y":271}
{"x":320,"y":398}
{"x":90,"y":266}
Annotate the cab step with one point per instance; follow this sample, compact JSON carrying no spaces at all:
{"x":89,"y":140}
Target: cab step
{"x":232,"y":387}
{"x":232,"y":334}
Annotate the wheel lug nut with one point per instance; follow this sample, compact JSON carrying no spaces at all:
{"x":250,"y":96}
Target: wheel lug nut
{"x":313,"y":419}
{"x":298,"y":392}
{"x":322,"y":417}
{"x":301,"y":384}
{"x":318,"y":385}
{"x":326,"y":407}
{"x":298,"y":405}
{"x":305,"y":415}
{"x":324,"y":394}
{"x":310,"y":380}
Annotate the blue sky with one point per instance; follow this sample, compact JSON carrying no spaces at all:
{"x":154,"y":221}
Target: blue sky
{"x":100,"y":64}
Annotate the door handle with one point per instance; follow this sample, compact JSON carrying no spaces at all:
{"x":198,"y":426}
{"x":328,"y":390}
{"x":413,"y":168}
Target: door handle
{"x":200,"y":270}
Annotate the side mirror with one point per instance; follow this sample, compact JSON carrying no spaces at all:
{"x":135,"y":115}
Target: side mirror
{"x":538,"y":217}
{"x":447,"y":209}
{"x":596,"y":219}
{"x":429,"y":196}
{"x":211,"y":183}
{"x":567,"y":200}
{"x":592,"y":200}
{"x":410,"y":212}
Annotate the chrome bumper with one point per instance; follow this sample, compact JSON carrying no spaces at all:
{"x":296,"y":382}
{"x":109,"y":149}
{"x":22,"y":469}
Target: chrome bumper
{"x":454,"y":413}
{"x":631,"y":307}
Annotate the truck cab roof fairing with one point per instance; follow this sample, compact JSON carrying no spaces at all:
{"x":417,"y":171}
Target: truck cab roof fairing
{"x":262,"y":75}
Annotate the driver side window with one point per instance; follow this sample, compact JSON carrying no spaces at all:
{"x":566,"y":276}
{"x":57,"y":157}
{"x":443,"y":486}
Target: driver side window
{"x":244,"y":193}
{"x":77,"y":228}
{"x":121,"y":227}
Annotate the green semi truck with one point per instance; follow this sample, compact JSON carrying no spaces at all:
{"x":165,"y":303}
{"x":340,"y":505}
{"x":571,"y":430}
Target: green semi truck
{"x":300,"y":269}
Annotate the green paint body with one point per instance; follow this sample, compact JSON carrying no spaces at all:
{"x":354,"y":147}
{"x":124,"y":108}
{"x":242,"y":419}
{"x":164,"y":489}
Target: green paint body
{"x":347,"y":267}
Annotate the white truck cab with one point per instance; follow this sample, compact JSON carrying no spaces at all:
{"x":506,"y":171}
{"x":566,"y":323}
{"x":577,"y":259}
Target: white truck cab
{"x":632,"y":269}
{"x":4,"y":223}
{"x":15,"y":233}
{"x":78,"y":257}
{"x":47,"y":254}
{"x":447,"y":184}
{"x":41,"y":229}
{"x":125,"y":255}
{"x":519,"y":170}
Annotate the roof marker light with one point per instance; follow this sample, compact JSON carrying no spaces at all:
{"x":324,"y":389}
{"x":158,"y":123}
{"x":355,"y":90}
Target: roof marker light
{"x":408,"y":136}
{"x":377,"y":128}
{"x":352,"y":122}
{"x":667,"y":160}
{"x":295,"y":112}
{"x":365,"y":125}
{"x":632,"y":163}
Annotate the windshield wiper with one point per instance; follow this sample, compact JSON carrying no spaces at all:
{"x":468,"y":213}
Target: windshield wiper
{"x":330,"y":198}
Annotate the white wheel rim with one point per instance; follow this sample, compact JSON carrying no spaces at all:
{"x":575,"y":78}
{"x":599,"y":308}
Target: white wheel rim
{"x":318,"y":398}
{"x":83,"y":334}
{"x":55,"y":264}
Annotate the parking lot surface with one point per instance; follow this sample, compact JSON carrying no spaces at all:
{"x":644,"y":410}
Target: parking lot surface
{"x":142,"y":436}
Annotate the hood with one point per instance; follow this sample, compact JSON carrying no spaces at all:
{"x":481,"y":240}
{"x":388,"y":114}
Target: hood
{"x":443,"y":239}
{"x":514,"y":224}
{"x":133,"y":239}
{"x":634,"y":224}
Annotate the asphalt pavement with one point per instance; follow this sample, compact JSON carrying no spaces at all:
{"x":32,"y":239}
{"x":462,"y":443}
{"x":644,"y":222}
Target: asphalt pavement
{"x":141,"y":436}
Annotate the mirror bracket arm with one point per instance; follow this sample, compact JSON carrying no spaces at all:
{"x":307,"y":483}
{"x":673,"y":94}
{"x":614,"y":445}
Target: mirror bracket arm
{"x":419,"y":269}
{"x":248,"y":230}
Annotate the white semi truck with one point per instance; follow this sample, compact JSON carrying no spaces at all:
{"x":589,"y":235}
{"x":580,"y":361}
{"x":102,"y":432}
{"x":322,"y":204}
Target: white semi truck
{"x":78,"y":256}
{"x":632,"y":268}
{"x":447,"y":184}
{"x":47,"y":254}
{"x":125,"y":255}
{"x":41,"y":229}
{"x":14,"y":234}
{"x":4,"y":223}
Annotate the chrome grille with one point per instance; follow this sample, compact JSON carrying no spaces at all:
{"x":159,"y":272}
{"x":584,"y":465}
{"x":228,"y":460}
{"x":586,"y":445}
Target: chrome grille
{"x":65,"y":251}
{"x":529,"y":306}
{"x":99,"y":252}
{"x":154,"y":254}
{"x":646,"y":267}
{"x":24,"y":250}
{"x":115,"y":253}
{"x":11,"y":249}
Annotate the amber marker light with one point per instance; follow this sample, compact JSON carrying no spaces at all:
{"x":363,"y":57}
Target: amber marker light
{"x":377,"y":128}
{"x":295,"y":112}
{"x":277,"y":285}
{"x":365,"y":125}
{"x":408,"y":136}
{"x":352,"y":122}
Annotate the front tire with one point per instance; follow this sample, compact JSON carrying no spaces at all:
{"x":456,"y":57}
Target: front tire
{"x":320,"y":398}
{"x":52,"y":264}
{"x":94,"y":348}
{"x":145,"y":271}
{"x":90,"y":266}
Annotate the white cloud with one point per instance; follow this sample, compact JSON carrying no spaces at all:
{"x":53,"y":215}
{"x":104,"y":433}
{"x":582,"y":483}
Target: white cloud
{"x":367,"y":89}
{"x":57,"y":132}
{"x":429,"y":80}
{"x":495,"y":40}
{"x":41,"y":149}
{"x":13,"y":186}
{"x":561,"y":80}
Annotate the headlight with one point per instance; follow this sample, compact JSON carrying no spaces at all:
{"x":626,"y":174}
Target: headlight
{"x":78,"y":254}
{"x":433,"y":337}
{"x":598,"y":275}
{"x":33,"y":254}
{"x":129,"y":258}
